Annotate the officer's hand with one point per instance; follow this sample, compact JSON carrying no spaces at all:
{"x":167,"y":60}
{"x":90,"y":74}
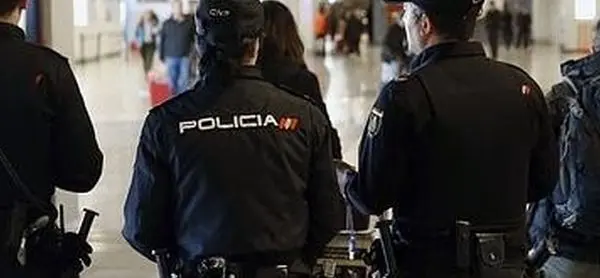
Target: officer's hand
{"x":75,"y":252}
{"x":345,"y":174}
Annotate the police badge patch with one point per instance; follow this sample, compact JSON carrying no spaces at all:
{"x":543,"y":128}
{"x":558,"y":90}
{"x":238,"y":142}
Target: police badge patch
{"x":374,"y":124}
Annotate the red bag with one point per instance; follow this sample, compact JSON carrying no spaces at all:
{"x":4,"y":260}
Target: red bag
{"x":159,"y":89}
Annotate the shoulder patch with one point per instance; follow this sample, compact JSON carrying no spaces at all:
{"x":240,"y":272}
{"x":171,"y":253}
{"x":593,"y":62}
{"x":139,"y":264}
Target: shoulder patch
{"x":374,"y":122}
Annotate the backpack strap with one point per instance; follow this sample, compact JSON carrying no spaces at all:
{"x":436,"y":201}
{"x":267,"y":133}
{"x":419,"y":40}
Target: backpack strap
{"x":568,"y":82}
{"x":564,"y":92}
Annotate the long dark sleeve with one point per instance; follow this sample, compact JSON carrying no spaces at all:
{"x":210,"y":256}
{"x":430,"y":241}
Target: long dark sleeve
{"x":76,"y":158}
{"x":147,"y":211}
{"x":326,"y":207}
{"x":382,"y":180}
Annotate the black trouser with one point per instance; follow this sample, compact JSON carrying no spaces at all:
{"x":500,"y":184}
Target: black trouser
{"x":523,"y":37}
{"x":508,"y":38}
{"x":353,"y":46}
{"x":147,"y":50}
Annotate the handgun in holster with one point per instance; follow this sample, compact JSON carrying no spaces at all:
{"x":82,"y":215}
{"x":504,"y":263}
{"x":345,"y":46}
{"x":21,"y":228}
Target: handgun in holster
{"x":213,"y":268}
{"x":164,"y":263}
{"x":382,"y":255}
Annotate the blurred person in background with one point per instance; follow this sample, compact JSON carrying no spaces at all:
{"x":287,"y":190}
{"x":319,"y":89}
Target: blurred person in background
{"x":394,"y":55}
{"x":146,"y":33}
{"x":340,"y":35}
{"x":176,"y":44}
{"x":492,"y":24}
{"x":320,"y":29}
{"x":507,"y":26}
{"x":281,"y":59}
{"x":524,"y":29}
{"x":353,"y":32}
{"x":370,"y":24}
{"x":333,"y":20}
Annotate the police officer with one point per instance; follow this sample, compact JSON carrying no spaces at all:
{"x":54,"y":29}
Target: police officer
{"x":47,"y":140}
{"x":234,"y":169}
{"x":461,"y":142}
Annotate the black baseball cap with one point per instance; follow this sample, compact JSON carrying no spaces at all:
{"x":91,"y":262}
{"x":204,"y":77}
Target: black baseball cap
{"x":219,"y":21}
{"x":444,"y":8}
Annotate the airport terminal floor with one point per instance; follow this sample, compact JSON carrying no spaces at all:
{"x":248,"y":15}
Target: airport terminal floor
{"x":114,"y":90}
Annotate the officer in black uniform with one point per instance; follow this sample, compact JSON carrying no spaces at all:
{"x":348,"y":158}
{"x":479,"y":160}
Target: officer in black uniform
{"x":234,"y":169}
{"x":462,"y":143}
{"x":47,"y":137}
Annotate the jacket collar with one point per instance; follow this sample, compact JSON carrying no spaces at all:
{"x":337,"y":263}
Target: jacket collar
{"x":251,"y":72}
{"x":583,"y":68}
{"x":445,"y":51}
{"x":8,"y":30}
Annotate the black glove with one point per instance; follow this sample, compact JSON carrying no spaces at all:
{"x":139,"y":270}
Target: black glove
{"x":75,"y":253}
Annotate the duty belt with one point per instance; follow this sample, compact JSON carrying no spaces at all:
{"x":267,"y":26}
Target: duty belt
{"x":218,"y":267}
{"x":480,"y":250}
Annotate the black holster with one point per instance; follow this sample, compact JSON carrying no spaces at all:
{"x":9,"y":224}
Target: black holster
{"x":12,"y":225}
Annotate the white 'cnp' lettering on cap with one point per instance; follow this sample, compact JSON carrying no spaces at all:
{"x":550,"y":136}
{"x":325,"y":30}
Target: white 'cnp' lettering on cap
{"x":219,"y":12}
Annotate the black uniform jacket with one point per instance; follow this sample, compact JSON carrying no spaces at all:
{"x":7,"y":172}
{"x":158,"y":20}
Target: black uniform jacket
{"x":246,"y":172}
{"x":47,"y":134}
{"x":462,"y":137}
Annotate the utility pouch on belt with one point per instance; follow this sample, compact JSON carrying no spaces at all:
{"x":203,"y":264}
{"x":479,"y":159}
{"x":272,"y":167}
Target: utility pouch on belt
{"x":490,"y":252}
{"x":482,"y":253}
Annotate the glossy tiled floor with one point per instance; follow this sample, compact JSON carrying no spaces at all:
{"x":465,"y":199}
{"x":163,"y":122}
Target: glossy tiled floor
{"x":113,"y":92}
